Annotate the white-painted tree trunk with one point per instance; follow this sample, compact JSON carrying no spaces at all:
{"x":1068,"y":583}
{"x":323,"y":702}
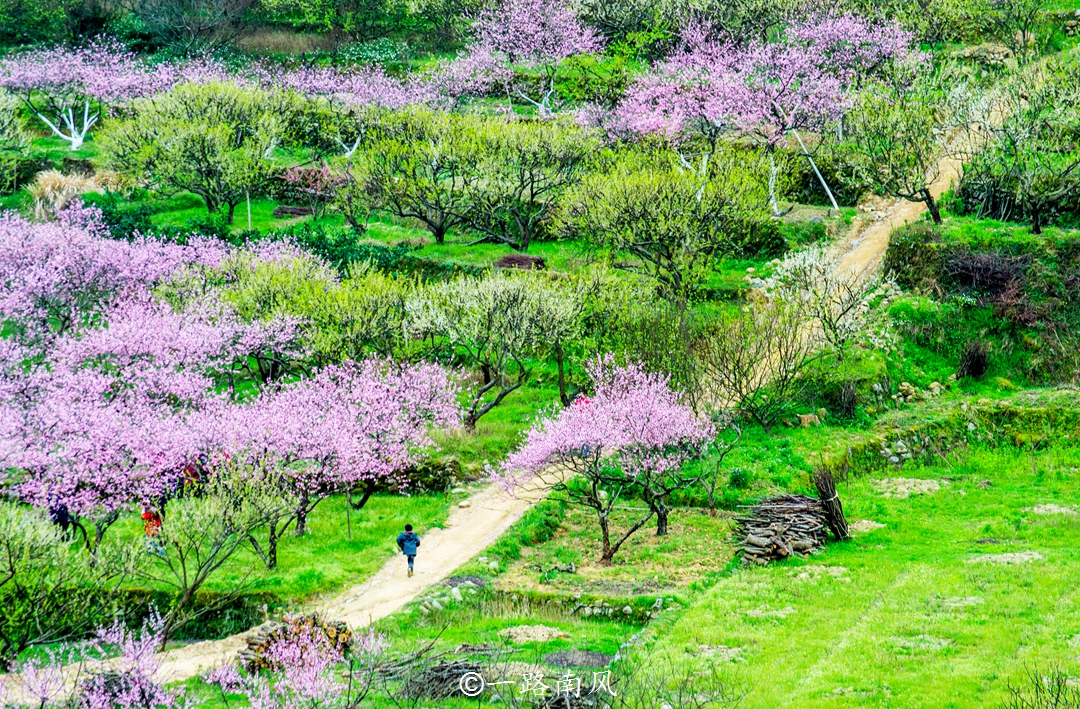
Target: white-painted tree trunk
{"x":75,"y":135}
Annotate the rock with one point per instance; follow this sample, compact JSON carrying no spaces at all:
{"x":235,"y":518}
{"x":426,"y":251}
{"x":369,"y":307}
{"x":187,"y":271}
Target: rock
{"x":970,"y":426}
{"x":436,"y":605}
{"x":894,"y":459}
{"x":464,"y":503}
{"x":627,"y":610}
{"x":455,"y":593}
{"x":807,"y":420}
{"x":494,"y":566}
{"x":989,"y":54}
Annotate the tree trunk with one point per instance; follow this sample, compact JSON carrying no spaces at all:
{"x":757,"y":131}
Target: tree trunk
{"x":439,"y":232}
{"x":931,"y":205}
{"x":1036,"y":221}
{"x":268,"y":555}
{"x":662,"y":513}
{"x":608,"y":553}
{"x":301,"y":516}
{"x":172,"y":620}
{"x":368,"y":490}
{"x":232,"y":210}
{"x":564,"y":396}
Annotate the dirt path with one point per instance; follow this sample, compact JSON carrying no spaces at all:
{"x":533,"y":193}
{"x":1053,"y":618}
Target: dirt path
{"x":471,"y":526}
{"x":863,"y":250}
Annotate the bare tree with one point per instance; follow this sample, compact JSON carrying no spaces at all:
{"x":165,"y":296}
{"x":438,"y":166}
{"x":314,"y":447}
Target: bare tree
{"x":201,"y":533}
{"x":1015,"y":23}
{"x":752,"y":359}
{"x":191,"y":26}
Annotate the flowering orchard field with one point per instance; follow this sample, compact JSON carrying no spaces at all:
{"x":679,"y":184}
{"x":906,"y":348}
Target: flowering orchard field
{"x":571,"y":287}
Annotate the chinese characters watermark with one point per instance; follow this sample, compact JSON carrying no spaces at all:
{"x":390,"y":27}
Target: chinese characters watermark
{"x":472,"y":684}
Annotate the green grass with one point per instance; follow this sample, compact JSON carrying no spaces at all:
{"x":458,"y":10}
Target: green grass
{"x":892,"y":634}
{"x":325,"y":561}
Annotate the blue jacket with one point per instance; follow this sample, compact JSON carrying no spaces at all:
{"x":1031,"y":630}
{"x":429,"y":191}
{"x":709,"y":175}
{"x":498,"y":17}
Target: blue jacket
{"x":407,"y":542}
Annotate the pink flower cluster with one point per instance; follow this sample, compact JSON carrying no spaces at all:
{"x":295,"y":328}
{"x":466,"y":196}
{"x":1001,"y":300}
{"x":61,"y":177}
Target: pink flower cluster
{"x":304,"y":673}
{"x":360,"y":86}
{"x":108,"y":392}
{"x":517,"y":32}
{"x":633,"y":421}
{"x":344,"y":425}
{"x":802,"y":81}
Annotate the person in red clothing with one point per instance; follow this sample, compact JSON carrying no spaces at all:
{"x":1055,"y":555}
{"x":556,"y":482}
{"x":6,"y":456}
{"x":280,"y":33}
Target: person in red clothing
{"x":151,"y":528}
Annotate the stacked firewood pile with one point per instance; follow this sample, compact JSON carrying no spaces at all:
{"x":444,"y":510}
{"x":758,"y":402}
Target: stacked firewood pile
{"x":781,"y":526}
{"x":253,"y":657}
{"x":439,"y":680}
{"x":792,"y":524}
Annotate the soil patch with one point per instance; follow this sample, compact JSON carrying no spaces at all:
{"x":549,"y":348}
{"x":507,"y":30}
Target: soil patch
{"x":532,"y":634}
{"x":902,"y":488}
{"x":1020,"y":557}
{"x":578,"y":658}
{"x":765,"y":612}
{"x":1052,"y":510}
{"x":863,"y":526}
{"x":455,"y":581}
{"x":963,"y":601}
{"x":922,"y":642}
{"x":722,"y":653}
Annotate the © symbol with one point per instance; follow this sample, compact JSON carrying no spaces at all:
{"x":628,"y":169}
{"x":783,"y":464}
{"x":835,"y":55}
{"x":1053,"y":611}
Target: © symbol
{"x":471,"y":684}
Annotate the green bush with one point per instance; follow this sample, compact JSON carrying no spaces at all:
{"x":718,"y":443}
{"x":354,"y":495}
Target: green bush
{"x":338,"y":246}
{"x":913,"y":258}
{"x":217,"y":615}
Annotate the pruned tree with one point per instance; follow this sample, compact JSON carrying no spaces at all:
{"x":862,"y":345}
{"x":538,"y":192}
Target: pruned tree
{"x":497,"y":322}
{"x":68,"y":89}
{"x":513,"y":192}
{"x":216,"y":140}
{"x":201,"y":533}
{"x":422,"y":172}
{"x":631,"y":436}
{"x":837,"y":299}
{"x":1015,"y":24}
{"x":676,"y":219}
{"x":1027,"y":135}
{"x":894,"y":136}
{"x":752,"y":359}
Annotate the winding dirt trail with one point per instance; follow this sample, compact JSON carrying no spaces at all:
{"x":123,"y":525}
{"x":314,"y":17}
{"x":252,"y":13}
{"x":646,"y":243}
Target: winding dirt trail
{"x":863,"y":249}
{"x":470,"y":528}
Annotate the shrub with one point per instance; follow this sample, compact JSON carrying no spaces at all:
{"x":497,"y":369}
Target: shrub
{"x":913,"y":258}
{"x":339,"y":247}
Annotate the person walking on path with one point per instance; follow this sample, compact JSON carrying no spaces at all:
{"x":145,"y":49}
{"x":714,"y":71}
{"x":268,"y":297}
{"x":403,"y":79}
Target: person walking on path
{"x":407,"y":541}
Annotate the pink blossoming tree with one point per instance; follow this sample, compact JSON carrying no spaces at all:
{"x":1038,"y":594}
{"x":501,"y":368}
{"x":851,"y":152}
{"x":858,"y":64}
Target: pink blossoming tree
{"x":68,"y":89}
{"x":526,"y":33}
{"x":347,"y":426}
{"x":801,"y":82}
{"x":631,"y":437}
